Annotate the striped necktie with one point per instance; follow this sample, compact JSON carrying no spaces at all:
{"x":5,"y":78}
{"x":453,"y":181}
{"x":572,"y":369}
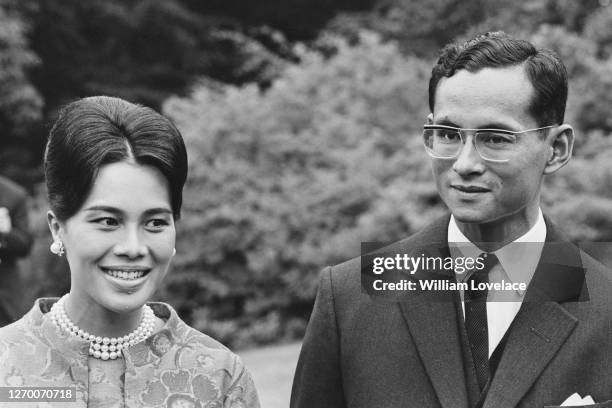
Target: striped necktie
{"x":476,"y":319}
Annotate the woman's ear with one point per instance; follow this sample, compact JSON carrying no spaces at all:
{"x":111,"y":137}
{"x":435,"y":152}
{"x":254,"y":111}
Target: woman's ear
{"x":54,"y":226}
{"x":429,"y":119}
{"x":561,"y":144}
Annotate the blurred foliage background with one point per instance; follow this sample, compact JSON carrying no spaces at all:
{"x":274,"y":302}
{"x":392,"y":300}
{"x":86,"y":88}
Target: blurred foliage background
{"x":302,"y":120}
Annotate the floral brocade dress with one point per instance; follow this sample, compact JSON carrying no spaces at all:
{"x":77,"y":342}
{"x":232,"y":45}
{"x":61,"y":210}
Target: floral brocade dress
{"x":176,"y":367}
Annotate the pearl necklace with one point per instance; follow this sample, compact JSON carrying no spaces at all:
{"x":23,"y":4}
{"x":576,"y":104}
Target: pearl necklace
{"x":104,"y":348}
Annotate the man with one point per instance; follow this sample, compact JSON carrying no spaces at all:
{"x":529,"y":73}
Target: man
{"x":521,"y":348}
{"x":15,"y":242}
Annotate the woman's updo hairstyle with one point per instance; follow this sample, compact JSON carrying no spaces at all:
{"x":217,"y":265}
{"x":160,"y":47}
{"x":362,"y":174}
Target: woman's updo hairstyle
{"x":92,"y":132}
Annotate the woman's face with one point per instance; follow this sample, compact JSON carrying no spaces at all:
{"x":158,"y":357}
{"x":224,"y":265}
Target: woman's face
{"x":120,"y":242}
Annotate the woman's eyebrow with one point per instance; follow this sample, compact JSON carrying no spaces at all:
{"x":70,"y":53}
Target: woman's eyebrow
{"x":158,"y":210}
{"x":105,"y":208}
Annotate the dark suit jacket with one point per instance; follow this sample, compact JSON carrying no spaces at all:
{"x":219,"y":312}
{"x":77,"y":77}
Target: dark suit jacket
{"x":362,"y":352}
{"x":13,"y":245}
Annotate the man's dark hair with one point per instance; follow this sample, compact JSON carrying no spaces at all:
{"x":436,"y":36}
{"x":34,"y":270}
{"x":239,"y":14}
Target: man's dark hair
{"x":543,"y":67}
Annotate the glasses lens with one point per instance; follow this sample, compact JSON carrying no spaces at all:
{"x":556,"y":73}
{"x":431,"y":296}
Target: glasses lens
{"x":442,"y":142}
{"x":495,"y":145}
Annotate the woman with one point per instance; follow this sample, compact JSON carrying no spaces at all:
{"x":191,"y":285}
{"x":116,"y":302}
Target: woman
{"x":115,"y":173}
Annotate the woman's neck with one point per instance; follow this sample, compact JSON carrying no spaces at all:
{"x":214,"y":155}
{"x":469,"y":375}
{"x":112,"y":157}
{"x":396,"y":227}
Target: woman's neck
{"x":95,"y":319}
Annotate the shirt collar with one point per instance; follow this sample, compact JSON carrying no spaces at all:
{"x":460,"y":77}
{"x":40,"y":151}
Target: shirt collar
{"x":518,"y":259}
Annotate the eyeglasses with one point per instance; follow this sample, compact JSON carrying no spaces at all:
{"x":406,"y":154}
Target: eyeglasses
{"x":495,"y":145}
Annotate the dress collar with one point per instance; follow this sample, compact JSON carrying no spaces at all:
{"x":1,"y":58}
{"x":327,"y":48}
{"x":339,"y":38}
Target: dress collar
{"x":73,"y":348}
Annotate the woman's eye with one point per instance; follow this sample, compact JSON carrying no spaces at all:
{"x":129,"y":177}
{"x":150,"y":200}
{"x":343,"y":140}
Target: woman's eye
{"x":157,"y":223}
{"x":107,"y":222}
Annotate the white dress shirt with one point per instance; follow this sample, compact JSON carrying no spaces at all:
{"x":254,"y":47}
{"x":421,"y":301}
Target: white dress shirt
{"x":517,"y":264}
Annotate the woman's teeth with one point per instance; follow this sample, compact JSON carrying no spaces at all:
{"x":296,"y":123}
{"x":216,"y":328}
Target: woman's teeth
{"x":125,"y":274}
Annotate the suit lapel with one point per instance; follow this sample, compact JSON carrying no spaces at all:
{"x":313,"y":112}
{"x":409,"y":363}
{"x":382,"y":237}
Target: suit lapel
{"x":542,"y":324}
{"x":433,"y":326}
{"x":432,"y":321}
{"x":537,"y":333}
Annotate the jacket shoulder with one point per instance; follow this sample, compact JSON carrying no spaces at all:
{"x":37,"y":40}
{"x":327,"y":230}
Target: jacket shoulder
{"x":15,"y":331}
{"x":598,"y":281}
{"x":187,"y":358}
{"x":346,"y":276}
{"x":202,"y":349}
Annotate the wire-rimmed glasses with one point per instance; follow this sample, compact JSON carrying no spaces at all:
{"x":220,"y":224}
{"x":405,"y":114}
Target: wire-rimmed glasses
{"x":495,"y":145}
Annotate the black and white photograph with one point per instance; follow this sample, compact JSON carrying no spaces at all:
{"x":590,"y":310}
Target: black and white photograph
{"x":305,"y":204}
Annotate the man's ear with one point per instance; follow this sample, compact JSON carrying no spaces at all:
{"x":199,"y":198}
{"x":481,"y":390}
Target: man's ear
{"x":429,"y":120}
{"x":54,"y":226}
{"x":561,"y":142}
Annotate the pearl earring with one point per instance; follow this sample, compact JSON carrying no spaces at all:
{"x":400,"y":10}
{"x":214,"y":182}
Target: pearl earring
{"x":57,"y":248}
{"x":173,"y":251}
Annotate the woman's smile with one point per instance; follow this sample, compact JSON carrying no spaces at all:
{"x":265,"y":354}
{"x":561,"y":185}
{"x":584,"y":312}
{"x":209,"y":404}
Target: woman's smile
{"x":126,"y":272}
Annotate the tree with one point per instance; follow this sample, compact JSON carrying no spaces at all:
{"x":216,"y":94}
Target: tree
{"x":299,"y":20}
{"x":590,"y":78}
{"x":141,"y":50}
{"x":20,"y":102}
{"x":421,"y":28}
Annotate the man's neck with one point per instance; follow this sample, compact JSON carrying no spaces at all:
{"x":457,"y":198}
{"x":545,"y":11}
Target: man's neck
{"x":497,"y":234}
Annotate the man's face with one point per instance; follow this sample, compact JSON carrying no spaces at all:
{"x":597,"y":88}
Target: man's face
{"x":475,"y":190}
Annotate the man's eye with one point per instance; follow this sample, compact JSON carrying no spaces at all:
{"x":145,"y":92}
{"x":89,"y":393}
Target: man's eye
{"x":497,"y":139}
{"x":447,"y":136}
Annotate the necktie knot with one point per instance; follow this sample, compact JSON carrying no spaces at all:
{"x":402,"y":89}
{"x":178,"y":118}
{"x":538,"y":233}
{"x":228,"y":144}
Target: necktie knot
{"x":489,"y":261}
{"x":480,"y":276}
